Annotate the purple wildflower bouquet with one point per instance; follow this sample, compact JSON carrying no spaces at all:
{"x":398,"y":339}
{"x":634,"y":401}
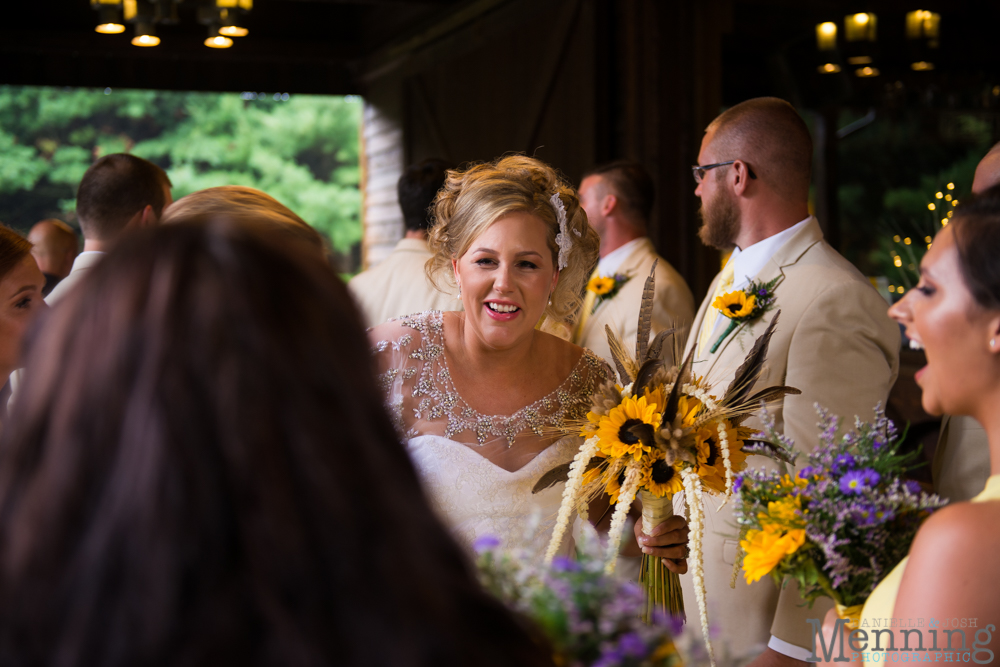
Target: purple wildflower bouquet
{"x":841,"y":524}
{"x":589,"y":618}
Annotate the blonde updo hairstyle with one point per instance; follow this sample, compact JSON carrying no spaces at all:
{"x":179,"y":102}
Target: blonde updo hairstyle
{"x":474,"y":199}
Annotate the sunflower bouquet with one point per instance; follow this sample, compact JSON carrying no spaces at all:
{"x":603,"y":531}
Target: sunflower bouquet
{"x":653,"y":433}
{"x":841,"y":523}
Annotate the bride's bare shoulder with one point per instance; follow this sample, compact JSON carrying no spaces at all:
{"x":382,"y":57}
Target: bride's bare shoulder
{"x":964,"y":535}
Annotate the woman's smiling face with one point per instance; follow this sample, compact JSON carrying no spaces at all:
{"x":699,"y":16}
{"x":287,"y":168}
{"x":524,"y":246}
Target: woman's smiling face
{"x":506,"y":277}
{"x":957,"y":334}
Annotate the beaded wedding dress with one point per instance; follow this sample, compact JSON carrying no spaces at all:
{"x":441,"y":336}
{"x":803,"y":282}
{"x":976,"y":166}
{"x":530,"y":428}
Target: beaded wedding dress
{"x":449,"y":441}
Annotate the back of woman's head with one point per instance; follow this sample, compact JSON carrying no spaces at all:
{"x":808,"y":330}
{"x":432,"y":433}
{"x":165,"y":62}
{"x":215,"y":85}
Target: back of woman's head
{"x":241,"y":203}
{"x":13,"y":248}
{"x":201,"y":472}
{"x":976,"y":226}
{"x":474,"y":199}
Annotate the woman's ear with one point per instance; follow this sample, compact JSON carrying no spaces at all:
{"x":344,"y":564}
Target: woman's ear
{"x":454,"y":268}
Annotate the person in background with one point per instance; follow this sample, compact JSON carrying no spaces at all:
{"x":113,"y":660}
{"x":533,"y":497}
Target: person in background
{"x":243,"y":203}
{"x":205,"y":474}
{"x":398,"y":286}
{"x":118,"y":194}
{"x":21,"y":284}
{"x":54,"y":246}
{"x":834,"y":341}
{"x":962,"y":457}
{"x":618,"y":199}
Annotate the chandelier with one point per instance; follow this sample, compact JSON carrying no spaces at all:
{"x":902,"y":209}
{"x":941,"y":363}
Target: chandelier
{"x":223,"y":19}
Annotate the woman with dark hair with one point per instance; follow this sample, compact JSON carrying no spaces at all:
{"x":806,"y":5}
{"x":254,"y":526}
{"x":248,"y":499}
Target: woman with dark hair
{"x":201,"y":472}
{"x":952,"y":572}
{"x":21,"y":283}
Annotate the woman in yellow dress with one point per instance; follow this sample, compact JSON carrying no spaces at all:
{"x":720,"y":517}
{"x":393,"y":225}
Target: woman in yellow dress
{"x":951,"y":578}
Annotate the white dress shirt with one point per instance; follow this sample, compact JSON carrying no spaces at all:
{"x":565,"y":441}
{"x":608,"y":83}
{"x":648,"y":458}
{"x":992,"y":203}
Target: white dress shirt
{"x":611,"y":262}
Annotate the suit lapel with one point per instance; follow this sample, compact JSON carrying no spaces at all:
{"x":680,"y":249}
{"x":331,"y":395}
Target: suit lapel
{"x":630,"y":268}
{"x":786,"y":255}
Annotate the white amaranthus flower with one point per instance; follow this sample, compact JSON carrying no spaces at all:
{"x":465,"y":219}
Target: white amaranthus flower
{"x":625,"y":498}
{"x":696,"y":527}
{"x":727,"y":462}
{"x":571,"y":494}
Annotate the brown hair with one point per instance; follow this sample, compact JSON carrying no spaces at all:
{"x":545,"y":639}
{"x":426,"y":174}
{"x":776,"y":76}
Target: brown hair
{"x":114,"y":189}
{"x":474,"y":199}
{"x":976,"y":226}
{"x":240,"y":202}
{"x":201,"y":471}
{"x":416,"y":190}
{"x":631,"y":183}
{"x":13,"y":248}
{"x":769,"y":135}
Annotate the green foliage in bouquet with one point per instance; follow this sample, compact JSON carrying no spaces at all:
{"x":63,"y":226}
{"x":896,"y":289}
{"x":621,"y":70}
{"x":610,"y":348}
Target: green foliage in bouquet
{"x":841,"y":524}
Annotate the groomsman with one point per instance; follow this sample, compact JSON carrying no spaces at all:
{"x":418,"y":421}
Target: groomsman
{"x":834,"y":340}
{"x":618,"y":199}
{"x":398,"y":285}
{"x":962,"y":458}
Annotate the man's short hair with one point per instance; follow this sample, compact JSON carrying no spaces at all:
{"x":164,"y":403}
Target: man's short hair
{"x":769,"y":135}
{"x":417,"y":188}
{"x":630,"y":183}
{"x":114,"y":189}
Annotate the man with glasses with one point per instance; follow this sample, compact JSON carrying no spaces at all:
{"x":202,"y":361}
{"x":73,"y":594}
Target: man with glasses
{"x":834,"y":340}
{"x":618,"y":199}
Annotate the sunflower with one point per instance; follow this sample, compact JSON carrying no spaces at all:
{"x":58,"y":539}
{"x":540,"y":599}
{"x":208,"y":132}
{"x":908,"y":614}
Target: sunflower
{"x":659,"y":478}
{"x":613,"y":487}
{"x":628,"y":428}
{"x":765,"y":548}
{"x":711,"y":465}
{"x":655,"y":397}
{"x":601,"y":286}
{"x":688,"y":407}
{"x":735,"y":304}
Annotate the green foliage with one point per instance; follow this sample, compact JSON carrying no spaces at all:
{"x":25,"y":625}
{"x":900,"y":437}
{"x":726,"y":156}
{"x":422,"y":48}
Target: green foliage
{"x":302,"y":151}
{"x":889,"y":173}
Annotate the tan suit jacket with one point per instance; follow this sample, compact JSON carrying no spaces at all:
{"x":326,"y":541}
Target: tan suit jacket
{"x":961,"y":460}
{"x":673,"y":307}
{"x":82,"y":265}
{"x":398,"y":286}
{"x":836,"y":343}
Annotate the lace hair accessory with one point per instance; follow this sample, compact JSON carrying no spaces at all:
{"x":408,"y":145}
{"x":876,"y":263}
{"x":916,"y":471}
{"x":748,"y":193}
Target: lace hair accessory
{"x":563,"y":239}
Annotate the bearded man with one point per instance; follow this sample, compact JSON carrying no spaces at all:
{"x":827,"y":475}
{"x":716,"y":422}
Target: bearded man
{"x":834,"y":340}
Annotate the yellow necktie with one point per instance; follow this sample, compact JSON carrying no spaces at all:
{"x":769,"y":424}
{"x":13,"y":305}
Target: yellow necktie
{"x":585,"y":310}
{"x":712,"y":314}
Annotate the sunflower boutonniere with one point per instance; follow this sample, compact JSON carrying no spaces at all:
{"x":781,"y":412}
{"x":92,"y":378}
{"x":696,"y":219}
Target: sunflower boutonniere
{"x":744,"y":305}
{"x":605,"y":287}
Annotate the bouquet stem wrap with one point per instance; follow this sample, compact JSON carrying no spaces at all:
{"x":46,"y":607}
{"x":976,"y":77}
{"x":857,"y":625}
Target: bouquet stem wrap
{"x":851,"y":614}
{"x":663,"y":587}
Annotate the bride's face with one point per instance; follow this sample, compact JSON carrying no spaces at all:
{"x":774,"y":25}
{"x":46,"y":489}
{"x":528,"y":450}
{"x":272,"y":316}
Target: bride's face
{"x":506,"y":277}
{"x":957,"y":334}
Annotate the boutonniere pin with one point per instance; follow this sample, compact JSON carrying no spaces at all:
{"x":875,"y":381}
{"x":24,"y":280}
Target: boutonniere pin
{"x":605,"y":288}
{"x":744,"y":305}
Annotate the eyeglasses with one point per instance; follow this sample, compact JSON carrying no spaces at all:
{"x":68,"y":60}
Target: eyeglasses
{"x":698,"y":171}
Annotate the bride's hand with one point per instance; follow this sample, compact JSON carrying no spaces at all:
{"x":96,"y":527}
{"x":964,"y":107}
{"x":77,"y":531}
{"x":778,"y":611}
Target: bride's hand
{"x":668,"y":541}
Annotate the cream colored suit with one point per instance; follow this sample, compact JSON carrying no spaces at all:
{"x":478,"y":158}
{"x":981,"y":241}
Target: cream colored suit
{"x":82,"y":265}
{"x":673,"y":307}
{"x":835,"y":342}
{"x":397,"y":286}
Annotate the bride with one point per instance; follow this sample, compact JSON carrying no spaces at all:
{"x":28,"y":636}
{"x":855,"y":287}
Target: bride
{"x":479,"y":393}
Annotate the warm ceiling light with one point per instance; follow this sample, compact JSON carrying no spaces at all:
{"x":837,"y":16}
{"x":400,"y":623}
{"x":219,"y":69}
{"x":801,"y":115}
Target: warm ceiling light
{"x":145,"y":40}
{"x":860,"y":27}
{"x":233,"y":31}
{"x":829,"y":68}
{"x":218,"y":42}
{"x":866,"y":72}
{"x":860,"y":60}
{"x":923,"y":24}
{"x":826,"y":36}
{"x":110,"y":28}
{"x":922,"y":66}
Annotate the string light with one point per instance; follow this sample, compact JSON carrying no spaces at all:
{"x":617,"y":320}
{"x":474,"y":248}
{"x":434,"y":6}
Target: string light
{"x":931,"y":206}
{"x":896,"y":238}
{"x":939,"y":195}
{"x":951,"y":186}
{"x":907,"y":240}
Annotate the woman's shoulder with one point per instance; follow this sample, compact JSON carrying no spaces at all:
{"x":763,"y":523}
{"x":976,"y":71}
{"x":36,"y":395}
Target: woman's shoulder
{"x":962,"y":535}
{"x":578,"y":361}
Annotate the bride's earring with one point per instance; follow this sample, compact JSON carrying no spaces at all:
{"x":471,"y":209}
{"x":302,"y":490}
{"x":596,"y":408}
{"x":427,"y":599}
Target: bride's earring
{"x":993,"y":343}
{"x":459,"y":295}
